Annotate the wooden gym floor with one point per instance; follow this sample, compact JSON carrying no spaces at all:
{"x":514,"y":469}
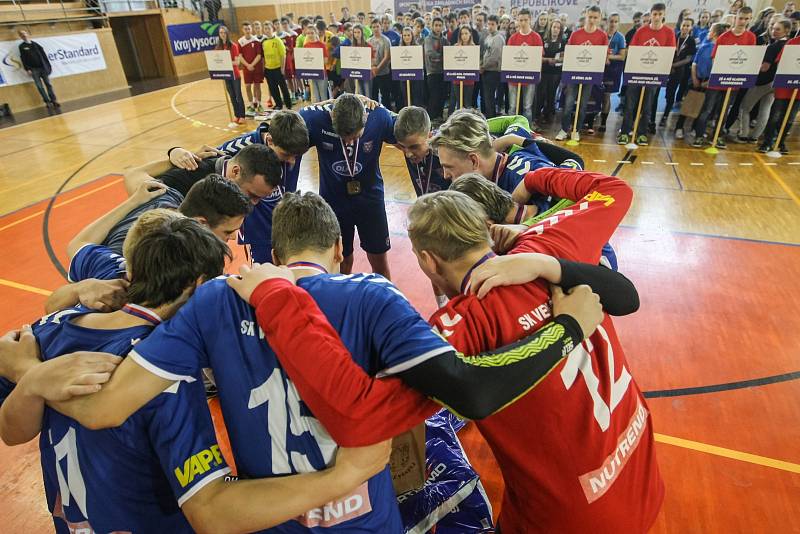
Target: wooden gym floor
{"x":712,"y":243}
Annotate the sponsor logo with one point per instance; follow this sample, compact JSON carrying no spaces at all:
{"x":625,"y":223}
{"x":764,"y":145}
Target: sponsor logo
{"x":12,"y":61}
{"x":600,"y":197}
{"x":210,"y":28}
{"x":198,"y":464}
{"x":738,"y":59}
{"x":340,"y":168}
{"x":649,"y":59}
{"x":192,"y":38}
{"x":331,"y":134}
{"x":335,"y":512}
{"x":584,"y":57}
{"x":327,"y":146}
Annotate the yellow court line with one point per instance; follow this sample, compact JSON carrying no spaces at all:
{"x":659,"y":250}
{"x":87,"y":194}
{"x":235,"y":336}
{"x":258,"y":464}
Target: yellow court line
{"x":58,"y":205}
{"x":780,"y":181}
{"x":25,"y":287}
{"x":728,"y":453}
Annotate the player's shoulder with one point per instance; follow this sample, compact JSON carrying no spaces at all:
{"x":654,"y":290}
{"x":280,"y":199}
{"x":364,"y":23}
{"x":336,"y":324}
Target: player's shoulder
{"x":359,"y":285}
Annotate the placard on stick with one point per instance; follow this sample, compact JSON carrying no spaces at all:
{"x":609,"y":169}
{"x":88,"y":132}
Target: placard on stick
{"x":648,"y":65}
{"x":584,"y":64}
{"x":521,"y":64}
{"x":462,"y":63}
{"x":220,"y":65}
{"x":407,"y":63}
{"x":309,"y":63}
{"x":736,"y":66}
{"x":788,"y":73}
{"x":356,"y":62}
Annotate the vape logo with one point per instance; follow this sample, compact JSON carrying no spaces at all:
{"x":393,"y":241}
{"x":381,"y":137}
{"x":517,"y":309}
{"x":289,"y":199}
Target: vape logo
{"x":649,"y":59}
{"x":584,"y":57}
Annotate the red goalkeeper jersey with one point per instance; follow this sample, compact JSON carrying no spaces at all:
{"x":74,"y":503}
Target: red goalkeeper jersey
{"x":576,"y":452}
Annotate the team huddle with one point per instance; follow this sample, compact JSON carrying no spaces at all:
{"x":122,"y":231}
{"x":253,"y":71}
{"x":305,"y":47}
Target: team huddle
{"x":317,"y":368}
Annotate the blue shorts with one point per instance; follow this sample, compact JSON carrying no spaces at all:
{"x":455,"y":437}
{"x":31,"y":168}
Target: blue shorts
{"x":369,"y":217}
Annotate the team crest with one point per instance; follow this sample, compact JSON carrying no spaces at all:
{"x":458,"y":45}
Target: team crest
{"x":368,"y":146}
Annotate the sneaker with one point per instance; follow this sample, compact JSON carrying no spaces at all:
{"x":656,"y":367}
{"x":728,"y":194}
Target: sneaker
{"x":651,"y":129}
{"x":752,"y":140}
{"x":561,"y":135}
{"x":741,"y":140}
{"x":623,"y":139}
{"x":642,"y":140}
{"x":782,"y":149}
{"x":763,"y":148}
{"x":663,"y":121}
{"x":259,"y":108}
{"x":589,"y":131}
{"x":721,"y":143}
{"x":250,"y":111}
{"x":679,"y":133}
{"x":571,"y":164}
{"x":698,"y":142}
{"x":602,"y":128}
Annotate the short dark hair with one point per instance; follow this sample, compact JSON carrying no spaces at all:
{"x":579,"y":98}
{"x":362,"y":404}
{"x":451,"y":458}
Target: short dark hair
{"x":170,"y":258}
{"x":745,"y":10}
{"x":494,"y":18}
{"x":524,"y":11}
{"x":259,"y":160}
{"x":321,"y":26}
{"x":463,"y":12}
{"x":214,"y":198}
{"x":303,"y":221}
{"x":658,"y":6}
{"x":246,"y":23}
{"x":348,"y":114}
{"x":437,"y":19}
{"x":410,"y":121}
{"x":495,"y":201}
{"x":290,"y":132}
{"x":594,"y":9}
{"x":637,"y":15}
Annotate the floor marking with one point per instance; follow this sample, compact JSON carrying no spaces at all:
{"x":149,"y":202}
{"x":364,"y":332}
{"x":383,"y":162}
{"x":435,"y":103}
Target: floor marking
{"x":696,"y":164}
{"x":25,"y":287}
{"x":769,"y":163}
{"x":648,"y":163}
{"x":794,"y":163}
{"x":721,"y":164}
{"x":596,"y":160}
{"x":623,"y":161}
{"x":745,"y":164}
{"x":780,"y":181}
{"x":671,"y":163}
{"x":64,"y":203}
{"x":728,"y":453}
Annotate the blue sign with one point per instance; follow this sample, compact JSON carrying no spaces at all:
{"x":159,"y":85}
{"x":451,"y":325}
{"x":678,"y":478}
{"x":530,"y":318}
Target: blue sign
{"x":194,"y":37}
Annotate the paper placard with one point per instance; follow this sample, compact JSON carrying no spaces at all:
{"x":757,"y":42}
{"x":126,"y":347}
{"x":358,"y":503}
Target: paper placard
{"x":356,"y":62}
{"x":309,"y":63}
{"x":788,"y":73}
{"x":220,"y":65}
{"x":648,"y":65}
{"x":407,"y":63}
{"x":521,"y":64}
{"x":584,"y":64}
{"x":462,"y":62}
{"x":736,"y":66}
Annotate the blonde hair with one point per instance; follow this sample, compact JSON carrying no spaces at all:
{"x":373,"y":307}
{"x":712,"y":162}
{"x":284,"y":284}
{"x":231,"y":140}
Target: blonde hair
{"x":465,"y":131}
{"x":495,"y":201}
{"x":146,"y":223}
{"x":448,"y":224}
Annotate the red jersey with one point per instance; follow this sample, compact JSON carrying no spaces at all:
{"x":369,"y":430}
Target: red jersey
{"x":531,"y":39}
{"x":250,"y":49}
{"x":647,"y":36}
{"x":577,"y":452}
{"x":747,"y":38}
{"x":582,"y":37}
{"x":784,"y":93}
{"x":317,"y":44}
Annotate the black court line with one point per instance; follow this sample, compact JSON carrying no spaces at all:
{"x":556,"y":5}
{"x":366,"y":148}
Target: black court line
{"x":728,"y":386}
{"x":46,"y":222}
{"x":619,"y":166}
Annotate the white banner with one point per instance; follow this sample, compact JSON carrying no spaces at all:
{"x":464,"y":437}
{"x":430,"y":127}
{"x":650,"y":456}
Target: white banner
{"x":585,"y":58}
{"x":736,"y":66}
{"x":407,"y":58}
{"x":625,"y":8}
{"x":648,"y":65}
{"x":356,"y":57}
{"x":68,"y":54}
{"x":220,"y":64}
{"x":521,"y":64}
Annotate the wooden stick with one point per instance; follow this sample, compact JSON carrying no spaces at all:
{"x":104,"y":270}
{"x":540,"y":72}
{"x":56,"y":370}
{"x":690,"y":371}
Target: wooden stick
{"x":357,"y":87}
{"x":721,"y":116}
{"x":519,"y":93}
{"x":311,"y":89}
{"x":408,"y":91}
{"x":638,"y":113}
{"x":578,"y":107}
{"x":785,"y":120}
{"x":461,"y":95}
{"x":228,"y":100}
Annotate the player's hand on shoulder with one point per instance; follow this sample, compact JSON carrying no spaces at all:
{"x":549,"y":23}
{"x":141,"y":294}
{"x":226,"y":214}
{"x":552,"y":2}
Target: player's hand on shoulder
{"x":357,"y":464}
{"x":505,"y":235}
{"x":184,"y":159}
{"x":72,"y":375}
{"x":208,"y":151}
{"x":103,"y":295}
{"x":513,"y":269}
{"x":251,"y":277}
{"x":148,"y":190}
{"x":19,"y":351}
{"x":581,"y":304}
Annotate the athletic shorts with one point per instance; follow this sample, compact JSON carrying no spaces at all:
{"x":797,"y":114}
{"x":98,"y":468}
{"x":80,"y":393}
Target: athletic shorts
{"x":369,"y":217}
{"x":254,"y":76}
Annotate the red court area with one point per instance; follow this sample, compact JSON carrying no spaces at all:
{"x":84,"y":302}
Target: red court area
{"x":714,"y":310}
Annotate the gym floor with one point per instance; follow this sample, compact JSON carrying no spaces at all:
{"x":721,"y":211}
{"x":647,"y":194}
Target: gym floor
{"x":712,"y":243}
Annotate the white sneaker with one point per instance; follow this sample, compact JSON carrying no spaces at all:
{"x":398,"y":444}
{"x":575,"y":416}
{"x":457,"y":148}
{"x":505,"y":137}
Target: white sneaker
{"x":679,"y":133}
{"x":561,"y":135}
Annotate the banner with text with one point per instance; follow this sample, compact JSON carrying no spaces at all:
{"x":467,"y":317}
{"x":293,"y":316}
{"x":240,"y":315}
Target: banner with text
{"x":309,"y":63}
{"x":788,"y":73}
{"x":220,"y":65}
{"x":462,"y":63}
{"x":736,"y":67}
{"x":407,"y":63}
{"x":521,"y":64}
{"x":356,"y":62}
{"x":648,"y":65}
{"x":584,"y":64}
{"x":625,"y":8}
{"x":194,"y":37}
{"x":68,"y":55}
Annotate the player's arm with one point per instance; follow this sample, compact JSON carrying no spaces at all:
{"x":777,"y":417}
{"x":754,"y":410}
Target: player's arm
{"x":102,"y":295}
{"x":499,"y":125}
{"x":136,"y":176}
{"x":254,"y":505}
{"x":97,"y":231}
{"x":504,"y":142}
{"x":186,"y":159}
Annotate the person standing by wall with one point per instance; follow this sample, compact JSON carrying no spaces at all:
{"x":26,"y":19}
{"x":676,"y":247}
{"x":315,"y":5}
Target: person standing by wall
{"x":35,"y":62}
{"x":234,"y":86}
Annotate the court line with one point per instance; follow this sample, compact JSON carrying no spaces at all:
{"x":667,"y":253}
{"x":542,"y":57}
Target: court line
{"x":780,"y":181}
{"x":728,"y":453}
{"x":726,"y":386}
{"x":25,"y":287}
{"x":68,"y":201}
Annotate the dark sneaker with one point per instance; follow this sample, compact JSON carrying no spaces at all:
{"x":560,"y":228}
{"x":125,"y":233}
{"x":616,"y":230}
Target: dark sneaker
{"x":741,"y":140}
{"x":698,"y":142}
{"x":623,"y":139}
{"x":783,"y":150}
{"x":642,"y":140}
{"x":763,"y":148}
{"x":721,"y":143}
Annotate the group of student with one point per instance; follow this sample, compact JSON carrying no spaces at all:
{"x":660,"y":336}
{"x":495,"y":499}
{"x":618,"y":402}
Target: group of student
{"x":316,"y":367}
{"x":748,"y":120}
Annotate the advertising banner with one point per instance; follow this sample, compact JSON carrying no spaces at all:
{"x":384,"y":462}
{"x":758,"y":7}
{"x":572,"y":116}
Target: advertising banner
{"x":194,"y":37}
{"x":407,"y":63}
{"x":356,"y":62}
{"x":309,"y":63}
{"x":648,"y":65}
{"x":68,"y":54}
{"x":521,"y":64}
{"x":584,"y":64}
{"x":462,"y":63}
{"x":736,"y":67}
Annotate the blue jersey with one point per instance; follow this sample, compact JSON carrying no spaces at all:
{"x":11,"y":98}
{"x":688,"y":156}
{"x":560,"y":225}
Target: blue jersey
{"x":357,"y":161}
{"x":96,"y":261}
{"x":427,"y":176}
{"x":132,"y":478}
{"x":703,"y":60}
{"x":272,"y":432}
{"x":517,"y":165}
{"x":256,"y":230}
